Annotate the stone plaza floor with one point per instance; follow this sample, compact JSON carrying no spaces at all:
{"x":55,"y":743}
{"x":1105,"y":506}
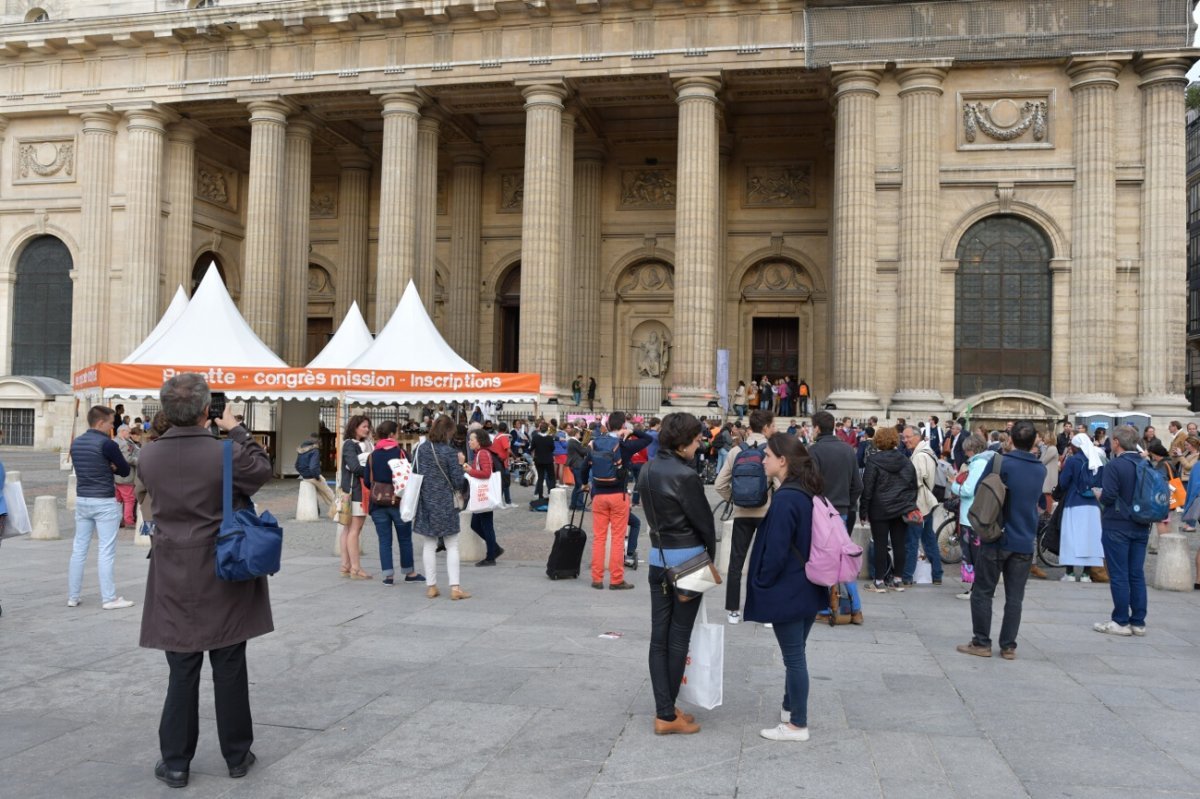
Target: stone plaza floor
{"x":364,"y":690}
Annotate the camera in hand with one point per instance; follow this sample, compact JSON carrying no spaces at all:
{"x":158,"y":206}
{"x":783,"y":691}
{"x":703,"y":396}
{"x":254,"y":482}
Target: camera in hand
{"x":216,"y":406}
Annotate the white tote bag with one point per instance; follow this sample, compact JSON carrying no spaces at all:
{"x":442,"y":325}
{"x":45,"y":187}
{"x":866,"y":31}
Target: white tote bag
{"x":18,"y":513}
{"x":704,"y":675}
{"x":412,"y":492}
{"x":483,"y":495}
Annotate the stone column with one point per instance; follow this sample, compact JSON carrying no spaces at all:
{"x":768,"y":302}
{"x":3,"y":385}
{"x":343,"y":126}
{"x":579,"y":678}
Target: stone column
{"x":354,"y":195}
{"x":1093,"y":232}
{"x":466,"y":212}
{"x":146,"y":129}
{"x":541,"y":236}
{"x":585,"y":328}
{"x":89,"y":300}
{"x":693,"y":356}
{"x":297,"y":200}
{"x":181,"y":191}
{"x":426,"y":238}
{"x":920,"y":357}
{"x":854,"y":258}
{"x":721,"y":221}
{"x":1162,"y":327}
{"x":568,"y":367}
{"x":262,"y":299}
{"x":397,"y":203}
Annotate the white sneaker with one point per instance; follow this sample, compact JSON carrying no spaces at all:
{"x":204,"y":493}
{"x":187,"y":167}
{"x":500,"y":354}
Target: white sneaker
{"x":1112,"y":628}
{"x":769,"y":626}
{"x":1067,"y":578}
{"x":1085,"y":578}
{"x":1138,"y":631}
{"x":735,"y":617}
{"x":785,"y":732}
{"x":963,"y":595}
{"x":117,"y":604}
{"x":72,"y":603}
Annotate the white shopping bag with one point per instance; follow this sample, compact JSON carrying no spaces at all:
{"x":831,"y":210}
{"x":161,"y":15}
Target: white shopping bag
{"x":924,"y":573}
{"x":412,"y":493}
{"x":18,"y":513}
{"x":483,"y":495}
{"x":704,"y":675}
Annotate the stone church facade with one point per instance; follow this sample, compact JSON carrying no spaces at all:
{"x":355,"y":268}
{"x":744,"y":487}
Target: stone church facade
{"x":913,"y":206}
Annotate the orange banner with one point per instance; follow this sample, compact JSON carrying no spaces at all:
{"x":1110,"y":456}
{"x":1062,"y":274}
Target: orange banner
{"x":331,"y":381}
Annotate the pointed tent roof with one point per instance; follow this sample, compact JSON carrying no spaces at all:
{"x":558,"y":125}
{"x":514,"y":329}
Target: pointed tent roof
{"x":169,"y":317}
{"x":209,"y":332}
{"x":411,"y":342}
{"x":351,"y":340}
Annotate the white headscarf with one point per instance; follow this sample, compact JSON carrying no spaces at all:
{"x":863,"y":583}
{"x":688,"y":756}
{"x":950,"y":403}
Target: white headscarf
{"x":1084,"y":444}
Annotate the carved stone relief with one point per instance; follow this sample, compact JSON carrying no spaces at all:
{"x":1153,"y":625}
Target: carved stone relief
{"x":776,"y":280}
{"x":648,"y":188}
{"x":320,"y":284}
{"x":323,"y":204}
{"x":45,"y":160}
{"x":512,"y":192}
{"x":785,"y":186}
{"x":215,"y":184}
{"x":1013,"y":120}
{"x":647,"y":280}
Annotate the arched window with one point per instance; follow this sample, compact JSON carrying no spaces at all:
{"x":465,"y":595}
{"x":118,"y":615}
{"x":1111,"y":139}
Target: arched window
{"x":201,"y":266}
{"x":204,"y":3}
{"x":508,"y":320}
{"x":37,"y":15}
{"x":1002,"y":305}
{"x":42,"y":310}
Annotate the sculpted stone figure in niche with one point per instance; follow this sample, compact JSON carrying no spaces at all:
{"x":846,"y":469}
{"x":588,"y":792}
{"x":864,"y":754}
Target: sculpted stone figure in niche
{"x":653,"y":355}
{"x":512,"y":191}
{"x":212,"y":186}
{"x":647,"y":188}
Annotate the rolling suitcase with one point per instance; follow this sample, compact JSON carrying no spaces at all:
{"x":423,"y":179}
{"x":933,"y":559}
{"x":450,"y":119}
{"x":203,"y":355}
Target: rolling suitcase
{"x":566,"y":554}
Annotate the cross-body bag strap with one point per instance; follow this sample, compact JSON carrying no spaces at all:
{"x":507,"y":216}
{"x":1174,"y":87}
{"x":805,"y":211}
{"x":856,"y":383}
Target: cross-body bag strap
{"x":438,"y":461}
{"x":227,"y":481}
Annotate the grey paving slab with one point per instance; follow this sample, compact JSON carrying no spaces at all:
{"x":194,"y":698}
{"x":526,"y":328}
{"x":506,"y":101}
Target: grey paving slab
{"x":364,"y":690}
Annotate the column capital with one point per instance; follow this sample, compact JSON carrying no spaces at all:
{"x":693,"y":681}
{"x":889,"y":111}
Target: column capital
{"x":545,"y":93}
{"x":1169,"y":68}
{"x":590,"y":151}
{"x":301,"y":127}
{"x":696,"y":87}
{"x":185,"y":131}
{"x":152,"y":118}
{"x":1096,"y":71}
{"x":469,"y":154}
{"x":429,"y":123}
{"x":3,"y":125}
{"x":922,"y":76}
{"x":275,"y":109}
{"x":858,"y":77}
{"x":407,"y":102}
{"x":99,"y":120}
{"x":351,"y":157}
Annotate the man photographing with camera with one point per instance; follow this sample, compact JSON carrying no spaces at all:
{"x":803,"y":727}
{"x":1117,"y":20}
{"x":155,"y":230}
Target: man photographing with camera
{"x":188,"y":611}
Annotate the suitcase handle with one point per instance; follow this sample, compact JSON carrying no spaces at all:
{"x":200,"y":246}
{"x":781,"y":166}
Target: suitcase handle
{"x":587,"y":495}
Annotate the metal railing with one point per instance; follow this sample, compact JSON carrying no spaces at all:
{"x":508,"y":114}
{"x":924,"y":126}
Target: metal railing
{"x":638,"y":399}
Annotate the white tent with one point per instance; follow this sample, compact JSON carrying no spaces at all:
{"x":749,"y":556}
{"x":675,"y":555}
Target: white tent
{"x":169,"y":318}
{"x":411,"y":342}
{"x":209,"y":332}
{"x":351,"y":340}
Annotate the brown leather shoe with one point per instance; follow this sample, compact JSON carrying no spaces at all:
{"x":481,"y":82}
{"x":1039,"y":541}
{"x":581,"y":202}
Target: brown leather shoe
{"x":1009,"y":654}
{"x":679,"y":726}
{"x":856,"y":617}
{"x":688,"y":717}
{"x":1036,"y":571}
{"x":975,"y":649}
{"x":458,"y":593}
{"x":432,"y":592}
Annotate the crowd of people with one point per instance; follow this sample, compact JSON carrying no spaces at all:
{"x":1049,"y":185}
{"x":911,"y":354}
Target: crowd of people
{"x":889,"y":477}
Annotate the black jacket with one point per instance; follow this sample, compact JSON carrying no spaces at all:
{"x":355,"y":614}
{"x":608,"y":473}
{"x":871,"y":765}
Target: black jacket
{"x":542,"y":446}
{"x":676,"y":508}
{"x":839,"y":470}
{"x":889,"y":486}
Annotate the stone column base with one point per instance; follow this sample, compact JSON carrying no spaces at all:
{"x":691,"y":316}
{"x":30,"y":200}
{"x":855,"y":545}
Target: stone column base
{"x":1091,"y":402}
{"x":852,"y":403}
{"x":1165,"y":406}
{"x":915,"y":404}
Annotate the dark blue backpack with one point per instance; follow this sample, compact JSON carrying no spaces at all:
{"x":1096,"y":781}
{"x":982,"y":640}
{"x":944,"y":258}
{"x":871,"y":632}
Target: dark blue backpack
{"x":1151,"y":496}
{"x":604,"y":462}
{"x":308,"y":463}
{"x":749,"y":487}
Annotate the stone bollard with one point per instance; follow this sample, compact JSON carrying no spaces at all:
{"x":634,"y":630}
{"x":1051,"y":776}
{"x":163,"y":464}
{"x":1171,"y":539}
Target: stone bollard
{"x":45,"y":519}
{"x":306,"y":503}
{"x":1152,"y":543}
{"x":724,"y":546}
{"x":64,"y":461}
{"x":559,"y":511}
{"x":12,"y":477}
{"x":71,"y":491}
{"x":1173,"y":571}
{"x":140,"y":539}
{"x":470,"y":546}
{"x":862,"y":537}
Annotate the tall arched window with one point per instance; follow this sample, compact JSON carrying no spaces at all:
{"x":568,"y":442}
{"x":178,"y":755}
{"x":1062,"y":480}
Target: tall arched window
{"x":508,"y":320}
{"x":42,"y":310}
{"x":1002,"y":308}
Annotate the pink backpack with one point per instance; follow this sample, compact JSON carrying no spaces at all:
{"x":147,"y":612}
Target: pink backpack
{"x":834,"y":558}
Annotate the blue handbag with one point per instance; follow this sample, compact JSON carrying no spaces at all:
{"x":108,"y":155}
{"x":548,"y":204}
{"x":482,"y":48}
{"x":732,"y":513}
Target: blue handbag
{"x":249,"y":545}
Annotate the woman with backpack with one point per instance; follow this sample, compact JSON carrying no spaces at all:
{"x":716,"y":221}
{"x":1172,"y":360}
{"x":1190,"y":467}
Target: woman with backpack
{"x":777,"y":589}
{"x":355,"y":448}
{"x":889,"y":493}
{"x":1078,"y":484}
{"x":386,"y":516}
{"x":483,"y":462}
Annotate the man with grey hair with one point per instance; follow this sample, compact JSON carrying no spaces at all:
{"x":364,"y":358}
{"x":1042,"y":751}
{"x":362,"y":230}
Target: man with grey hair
{"x":188,"y":610}
{"x":1123,"y":538}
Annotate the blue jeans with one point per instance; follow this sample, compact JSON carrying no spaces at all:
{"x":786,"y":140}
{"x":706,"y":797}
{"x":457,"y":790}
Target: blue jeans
{"x":635,"y":471}
{"x":102,"y":517}
{"x":1125,"y":556}
{"x":482,"y":524}
{"x":578,"y":500}
{"x":576,"y":395}
{"x":924,"y":534}
{"x":791,"y":637}
{"x":385,"y":519}
{"x":631,"y":535}
{"x":722,"y":454}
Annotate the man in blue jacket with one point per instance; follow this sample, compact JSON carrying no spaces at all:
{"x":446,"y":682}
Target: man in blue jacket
{"x":96,"y":458}
{"x":1022,"y":473}
{"x":1124,"y":540}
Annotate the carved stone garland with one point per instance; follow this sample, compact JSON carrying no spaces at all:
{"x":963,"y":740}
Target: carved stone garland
{"x":977,"y":117}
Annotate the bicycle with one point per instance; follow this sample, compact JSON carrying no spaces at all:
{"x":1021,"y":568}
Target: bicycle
{"x":1048,"y":557}
{"x":722,"y":512}
{"x":949,"y":537}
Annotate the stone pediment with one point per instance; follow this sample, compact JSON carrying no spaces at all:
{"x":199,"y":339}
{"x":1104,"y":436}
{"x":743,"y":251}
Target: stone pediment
{"x":776,"y":280}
